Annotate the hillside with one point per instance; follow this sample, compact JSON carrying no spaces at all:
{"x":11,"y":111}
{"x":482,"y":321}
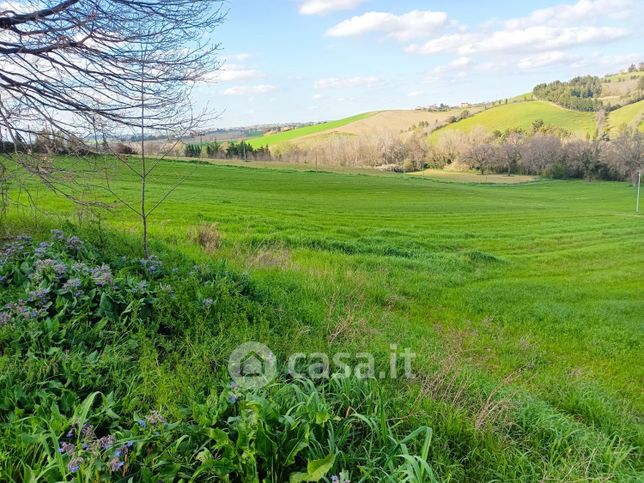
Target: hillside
{"x":380,"y":123}
{"x":522,"y":114}
{"x":282,"y":137}
{"x":630,"y":115}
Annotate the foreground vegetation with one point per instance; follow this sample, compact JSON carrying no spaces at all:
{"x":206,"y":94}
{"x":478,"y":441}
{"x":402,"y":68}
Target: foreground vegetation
{"x":521,"y":301}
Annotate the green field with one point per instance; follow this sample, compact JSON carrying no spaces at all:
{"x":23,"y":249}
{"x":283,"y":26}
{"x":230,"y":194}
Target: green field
{"x":282,"y":137}
{"x":522,"y":114}
{"x":523,"y":302}
{"x":627,"y":115}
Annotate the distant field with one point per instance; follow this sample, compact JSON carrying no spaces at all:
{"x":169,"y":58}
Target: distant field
{"x":277,"y":138}
{"x":522,"y":114}
{"x":397,"y":121}
{"x":629,"y":115}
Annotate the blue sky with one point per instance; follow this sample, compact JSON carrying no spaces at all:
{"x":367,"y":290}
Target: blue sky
{"x":310,"y":60}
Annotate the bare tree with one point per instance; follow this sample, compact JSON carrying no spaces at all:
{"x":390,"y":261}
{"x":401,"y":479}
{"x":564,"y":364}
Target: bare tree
{"x":626,"y":153}
{"x":76,"y":66}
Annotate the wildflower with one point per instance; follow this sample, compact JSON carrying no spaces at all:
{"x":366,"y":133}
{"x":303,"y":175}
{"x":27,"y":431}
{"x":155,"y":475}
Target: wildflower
{"x":71,"y":433}
{"x":335,"y":479}
{"x":41,"y":249}
{"x":80,"y":267}
{"x":23,"y":239}
{"x":232,"y":399}
{"x":152,"y":265}
{"x":102,"y":275}
{"x":5,"y":318}
{"x":67,"y":448}
{"x":39,"y":296}
{"x":57,"y":234}
{"x":74,"y":464}
{"x":3,"y":279}
{"x":142,"y":423}
{"x":88,"y":432}
{"x":106,"y":442}
{"x":72,"y":286}
{"x":155,"y":418}
{"x":207,"y":303}
{"x":115,"y":464}
{"x":74,"y":243}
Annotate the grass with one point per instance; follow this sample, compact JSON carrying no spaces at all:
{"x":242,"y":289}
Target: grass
{"x":522,"y":114}
{"x":627,"y":115}
{"x":473,"y":177}
{"x":522,"y":302}
{"x":286,"y":136}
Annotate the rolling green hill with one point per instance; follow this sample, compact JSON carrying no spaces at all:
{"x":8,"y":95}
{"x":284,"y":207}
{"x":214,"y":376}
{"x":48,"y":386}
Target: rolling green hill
{"x":629,"y":115}
{"x":522,"y":114}
{"x":281,"y":137}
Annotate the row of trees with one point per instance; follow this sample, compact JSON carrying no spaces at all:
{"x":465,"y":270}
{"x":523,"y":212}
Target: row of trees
{"x":544,"y":152}
{"x":227,"y":150}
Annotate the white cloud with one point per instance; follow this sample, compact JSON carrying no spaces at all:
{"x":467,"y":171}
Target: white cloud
{"x":321,"y":7}
{"x":408,"y":26}
{"x":544,"y":59}
{"x":530,"y":39}
{"x":247,"y":90}
{"x":459,"y":65}
{"x":233,"y":73}
{"x":565,"y":14}
{"x":344,"y":82}
{"x":443,"y":43}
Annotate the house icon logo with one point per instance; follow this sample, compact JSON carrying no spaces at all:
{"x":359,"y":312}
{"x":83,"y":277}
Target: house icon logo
{"x":252,"y":365}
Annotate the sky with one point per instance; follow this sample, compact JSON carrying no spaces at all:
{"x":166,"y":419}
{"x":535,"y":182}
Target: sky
{"x":313,"y":60}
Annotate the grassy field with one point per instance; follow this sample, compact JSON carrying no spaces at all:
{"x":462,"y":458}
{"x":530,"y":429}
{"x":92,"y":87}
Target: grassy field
{"x":522,"y":114}
{"x":523,"y":302}
{"x":627,"y":115}
{"x":282,"y":137}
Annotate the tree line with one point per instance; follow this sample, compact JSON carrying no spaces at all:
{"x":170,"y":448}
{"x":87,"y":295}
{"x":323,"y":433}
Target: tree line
{"x":544,"y":151}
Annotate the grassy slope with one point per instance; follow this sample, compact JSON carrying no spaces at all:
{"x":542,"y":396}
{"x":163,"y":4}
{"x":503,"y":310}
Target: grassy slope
{"x":522,"y":114}
{"x":528,"y":281}
{"x":627,"y":115}
{"x":282,"y":137}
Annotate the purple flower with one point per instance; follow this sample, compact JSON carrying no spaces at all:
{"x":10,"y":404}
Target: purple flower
{"x":102,"y":275}
{"x":67,"y":448}
{"x":142,"y":423}
{"x":232,"y":399}
{"x":39,"y":296}
{"x":80,"y":267}
{"x":115,"y":464}
{"x":106,"y":442}
{"x":5,"y":318}
{"x":88,"y":432}
{"x":155,"y":418}
{"x":74,"y":464}
{"x":74,"y":243}
{"x":207,"y":303}
{"x":152,"y":265}
{"x":57,"y":235}
{"x":72,"y":286}
{"x":41,"y":249}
